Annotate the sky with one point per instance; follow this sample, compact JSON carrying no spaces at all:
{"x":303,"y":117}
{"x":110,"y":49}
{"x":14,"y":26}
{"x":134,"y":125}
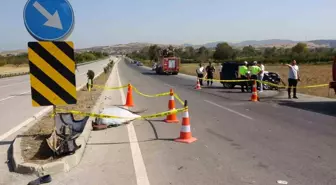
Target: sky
{"x":109,"y":22}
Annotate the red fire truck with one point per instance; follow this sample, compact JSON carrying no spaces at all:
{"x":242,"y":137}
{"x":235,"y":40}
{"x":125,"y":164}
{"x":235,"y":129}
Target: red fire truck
{"x":168,"y":63}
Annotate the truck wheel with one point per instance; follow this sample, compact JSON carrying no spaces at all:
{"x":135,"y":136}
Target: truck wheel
{"x":175,"y":73}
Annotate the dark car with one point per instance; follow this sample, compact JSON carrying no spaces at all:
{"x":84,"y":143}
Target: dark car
{"x":230,"y":71}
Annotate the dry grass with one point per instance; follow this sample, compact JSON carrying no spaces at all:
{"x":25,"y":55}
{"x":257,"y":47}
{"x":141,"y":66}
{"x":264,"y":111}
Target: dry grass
{"x":7,"y":69}
{"x":34,"y":146}
{"x":310,"y":75}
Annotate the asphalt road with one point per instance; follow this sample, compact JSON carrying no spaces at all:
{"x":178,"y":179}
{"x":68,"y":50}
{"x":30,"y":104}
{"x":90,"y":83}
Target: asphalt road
{"x":15,"y":97}
{"x":239,"y":142}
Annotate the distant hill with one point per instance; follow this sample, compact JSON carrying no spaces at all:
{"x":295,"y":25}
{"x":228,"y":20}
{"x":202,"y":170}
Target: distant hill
{"x":330,"y":43}
{"x":272,"y":42}
{"x":136,"y":46}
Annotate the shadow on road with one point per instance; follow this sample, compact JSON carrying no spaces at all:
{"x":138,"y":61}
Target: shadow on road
{"x":149,"y":73}
{"x":327,"y":108}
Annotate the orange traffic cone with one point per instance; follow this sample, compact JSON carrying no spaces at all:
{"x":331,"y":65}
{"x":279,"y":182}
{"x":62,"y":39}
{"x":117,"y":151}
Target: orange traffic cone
{"x":129,"y":98}
{"x":171,"y":106}
{"x":254,"y":96}
{"x":185,"y":133}
{"x":198,"y":85}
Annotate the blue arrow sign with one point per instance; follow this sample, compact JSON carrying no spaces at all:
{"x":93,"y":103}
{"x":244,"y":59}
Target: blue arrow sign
{"x":49,"y":20}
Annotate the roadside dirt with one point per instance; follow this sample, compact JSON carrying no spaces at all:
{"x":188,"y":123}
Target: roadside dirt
{"x":34,"y":146}
{"x":8,"y":69}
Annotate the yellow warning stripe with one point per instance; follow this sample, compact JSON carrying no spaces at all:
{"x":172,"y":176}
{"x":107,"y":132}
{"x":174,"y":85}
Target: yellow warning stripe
{"x":45,"y":91}
{"x":59,"y":55}
{"x":35,"y":104}
{"x":52,"y":73}
{"x":70,"y":44}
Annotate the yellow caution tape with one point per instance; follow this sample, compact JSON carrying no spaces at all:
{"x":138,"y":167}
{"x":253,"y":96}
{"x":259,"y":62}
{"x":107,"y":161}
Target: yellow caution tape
{"x":150,"y":96}
{"x":161,"y":114}
{"x":110,"y":88}
{"x":179,"y":99}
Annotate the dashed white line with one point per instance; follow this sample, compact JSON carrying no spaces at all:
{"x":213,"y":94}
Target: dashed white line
{"x":139,"y":165}
{"x":230,"y":110}
{"x":168,"y":85}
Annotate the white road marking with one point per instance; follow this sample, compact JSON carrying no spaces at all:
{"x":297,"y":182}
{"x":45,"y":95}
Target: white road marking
{"x":230,"y":110}
{"x":139,"y":165}
{"x":9,"y":97}
{"x":25,"y":123}
{"x":168,"y":85}
{"x":13,"y":84}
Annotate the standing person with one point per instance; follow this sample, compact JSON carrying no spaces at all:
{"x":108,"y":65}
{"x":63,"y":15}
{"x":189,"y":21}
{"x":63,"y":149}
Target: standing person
{"x":293,"y":78}
{"x":261,"y":75}
{"x":255,"y":70}
{"x":210,"y":70}
{"x":243,"y":70}
{"x":200,"y":73}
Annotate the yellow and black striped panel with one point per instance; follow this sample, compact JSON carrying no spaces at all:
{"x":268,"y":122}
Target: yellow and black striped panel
{"x":52,"y":73}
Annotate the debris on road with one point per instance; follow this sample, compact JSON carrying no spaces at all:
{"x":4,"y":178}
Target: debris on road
{"x":117,"y":111}
{"x":282,"y":182}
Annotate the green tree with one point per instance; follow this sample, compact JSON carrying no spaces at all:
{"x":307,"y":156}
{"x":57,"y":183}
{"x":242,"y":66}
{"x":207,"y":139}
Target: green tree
{"x":223,"y":51}
{"x":299,"y":47}
{"x":189,"y":52}
{"x":203,"y":54}
{"x":269,"y":52}
{"x":153,"y":52}
{"x":249,"y":51}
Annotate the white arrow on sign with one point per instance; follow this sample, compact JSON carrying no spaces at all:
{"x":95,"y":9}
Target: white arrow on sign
{"x":53,"y":20}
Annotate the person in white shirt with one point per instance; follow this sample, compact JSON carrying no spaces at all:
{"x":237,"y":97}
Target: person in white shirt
{"x":261,"y":75}
{"x":200,"y":73}
{"x":293,"y":78}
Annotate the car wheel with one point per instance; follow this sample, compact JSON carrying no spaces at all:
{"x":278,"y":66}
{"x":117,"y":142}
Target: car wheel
{"x":227,"y":85}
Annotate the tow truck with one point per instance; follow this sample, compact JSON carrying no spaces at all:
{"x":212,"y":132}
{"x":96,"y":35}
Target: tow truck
{"x":167,"y":63}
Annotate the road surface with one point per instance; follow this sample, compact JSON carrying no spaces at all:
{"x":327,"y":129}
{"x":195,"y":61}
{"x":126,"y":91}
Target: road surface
{"x":239,"y":142}
{"x":15,"y":97}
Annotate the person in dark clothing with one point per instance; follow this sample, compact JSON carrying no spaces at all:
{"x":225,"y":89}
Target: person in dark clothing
{"x":243,"y":72}
{"x":210,"y":70}
{"x":199,"y":72}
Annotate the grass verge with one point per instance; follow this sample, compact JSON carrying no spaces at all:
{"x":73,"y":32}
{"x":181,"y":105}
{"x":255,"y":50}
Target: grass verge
{"x":34,"y":147}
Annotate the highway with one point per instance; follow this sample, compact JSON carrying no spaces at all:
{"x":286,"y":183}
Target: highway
{"x":15,"y":97}
{"x":239,"y":142}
